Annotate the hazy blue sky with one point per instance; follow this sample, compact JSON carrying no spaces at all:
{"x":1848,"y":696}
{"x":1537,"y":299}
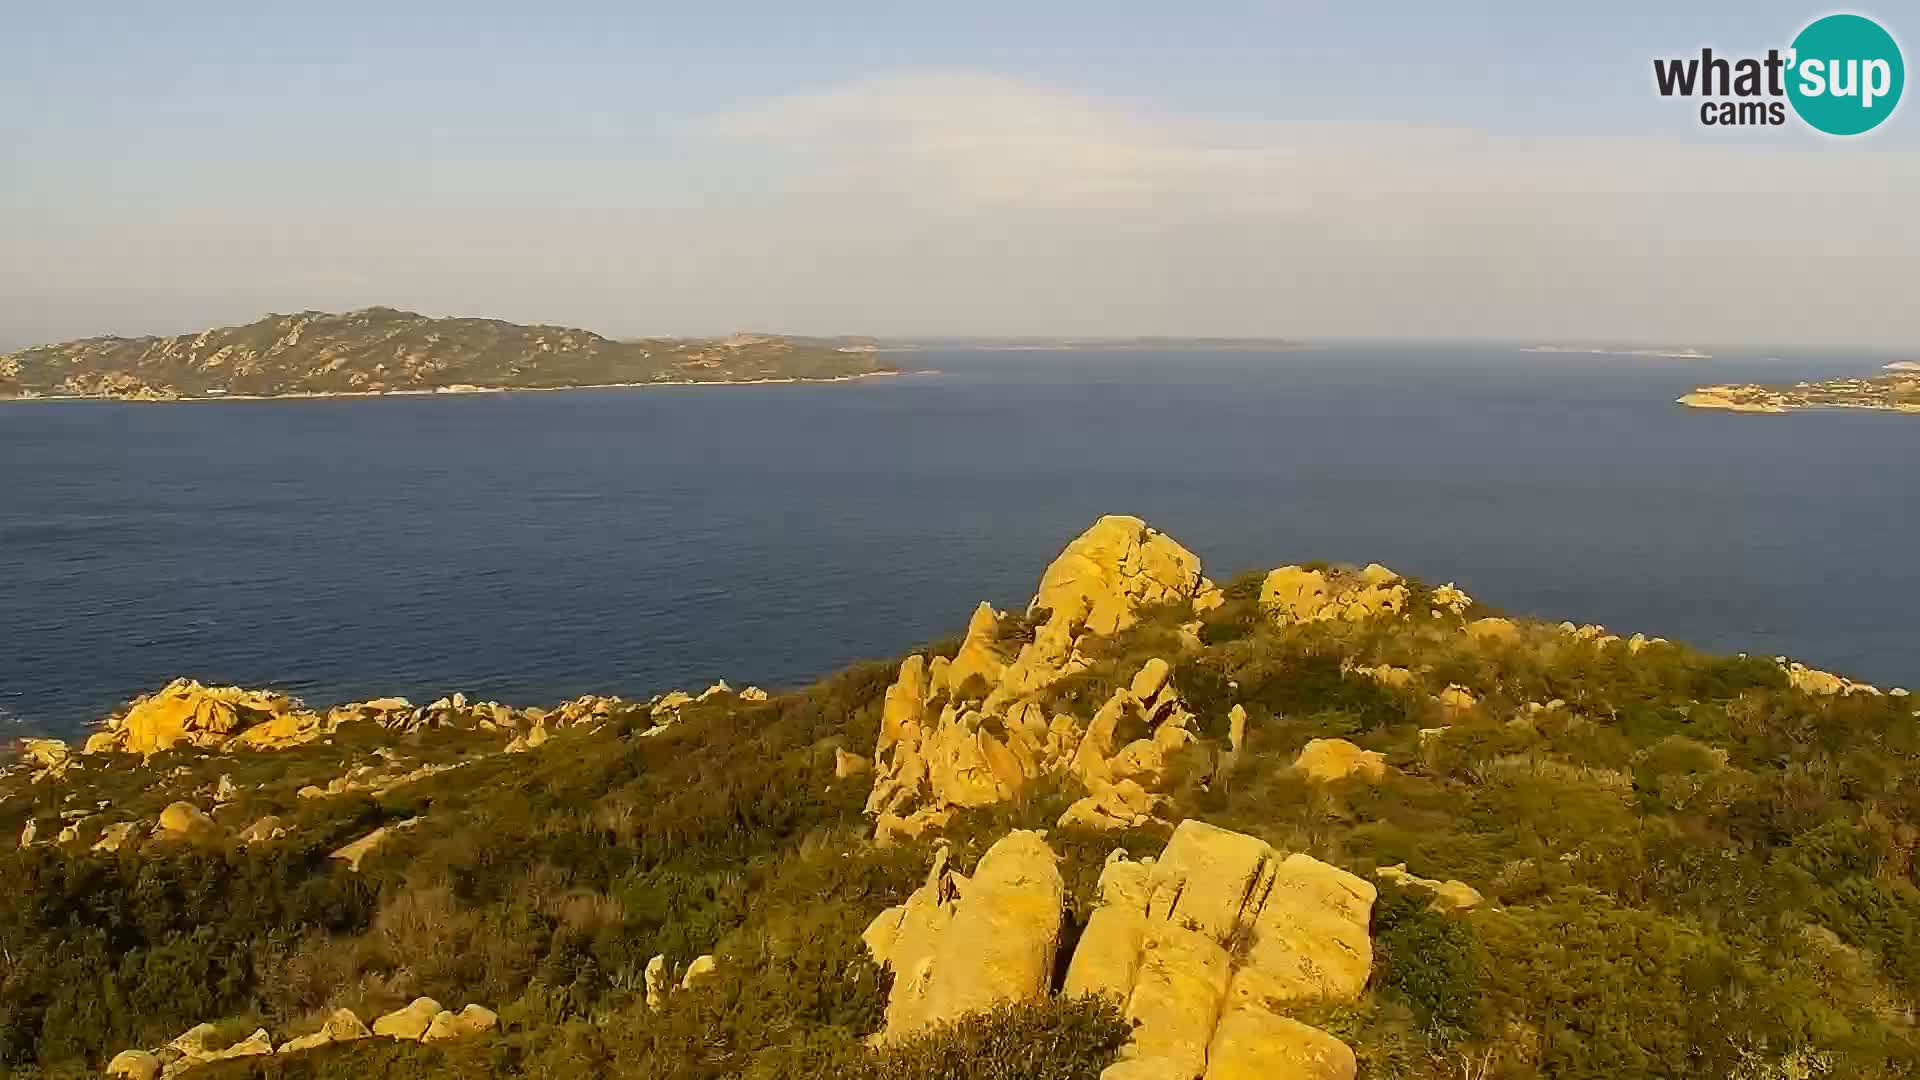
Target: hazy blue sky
{"x":1311,"y":169}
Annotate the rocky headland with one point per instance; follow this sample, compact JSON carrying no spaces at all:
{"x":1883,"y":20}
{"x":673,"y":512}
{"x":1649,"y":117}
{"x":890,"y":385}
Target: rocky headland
{"x":1318,"y":822}
{"x":1897,"y":391}
{"x":384,"y":351}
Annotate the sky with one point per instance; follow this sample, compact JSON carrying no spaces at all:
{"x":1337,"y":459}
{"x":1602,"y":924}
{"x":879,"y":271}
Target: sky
{"x":1307,"y":170}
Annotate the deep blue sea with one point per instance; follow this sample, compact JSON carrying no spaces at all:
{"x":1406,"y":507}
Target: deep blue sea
{"x":532,"y":547}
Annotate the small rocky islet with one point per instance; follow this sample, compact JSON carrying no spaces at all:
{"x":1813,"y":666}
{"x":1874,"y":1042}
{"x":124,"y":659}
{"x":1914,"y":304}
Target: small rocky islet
{"x":1318,"y":822}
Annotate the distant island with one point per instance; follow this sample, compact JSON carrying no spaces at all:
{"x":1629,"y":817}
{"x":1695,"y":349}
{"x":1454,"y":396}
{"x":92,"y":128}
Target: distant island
{"x":1114,"y":344}
{"x":1898,"y":391}
{"x":1688,"y":353}
{"x":381,"y":350}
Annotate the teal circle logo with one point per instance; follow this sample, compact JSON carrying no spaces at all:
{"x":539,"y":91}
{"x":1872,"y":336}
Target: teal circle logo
{"x":1846,"y":74}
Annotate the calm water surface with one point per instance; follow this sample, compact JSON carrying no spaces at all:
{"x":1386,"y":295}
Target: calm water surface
{"x":531,"y":547}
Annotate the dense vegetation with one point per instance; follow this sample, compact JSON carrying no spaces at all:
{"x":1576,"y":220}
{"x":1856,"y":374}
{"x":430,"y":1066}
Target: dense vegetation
{"x":381,"y":349}
{"x":1693,"y":870}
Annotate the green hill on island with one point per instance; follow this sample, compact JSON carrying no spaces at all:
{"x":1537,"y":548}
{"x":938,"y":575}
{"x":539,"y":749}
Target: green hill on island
{"x":381,"y":350}
{"x":1311,"y":823}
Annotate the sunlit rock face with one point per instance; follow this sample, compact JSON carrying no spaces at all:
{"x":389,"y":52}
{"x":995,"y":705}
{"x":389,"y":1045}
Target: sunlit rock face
{"x":977,"y":730}
{"x":1204,"y":948}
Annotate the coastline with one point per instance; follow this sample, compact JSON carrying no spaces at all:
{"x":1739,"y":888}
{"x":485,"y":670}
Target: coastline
{"x":1723,"y":405}
{"x":451,"y":391}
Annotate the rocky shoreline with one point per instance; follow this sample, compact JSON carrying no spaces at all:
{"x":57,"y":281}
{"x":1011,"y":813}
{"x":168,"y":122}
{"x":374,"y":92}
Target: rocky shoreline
{"x":446,"y":391}
{"x":1897,"y":391}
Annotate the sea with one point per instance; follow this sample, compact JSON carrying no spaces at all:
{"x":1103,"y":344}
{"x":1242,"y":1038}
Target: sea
{"x":531,"y":547}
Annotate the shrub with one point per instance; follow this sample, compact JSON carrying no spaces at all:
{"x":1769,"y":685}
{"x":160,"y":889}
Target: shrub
{"x":1425,"y":958}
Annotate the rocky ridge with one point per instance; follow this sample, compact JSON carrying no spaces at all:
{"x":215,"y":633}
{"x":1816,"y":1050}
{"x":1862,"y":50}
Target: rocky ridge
{"x":230,"y":718}
{"x":229,"y":721}
{"x":984,"y":727}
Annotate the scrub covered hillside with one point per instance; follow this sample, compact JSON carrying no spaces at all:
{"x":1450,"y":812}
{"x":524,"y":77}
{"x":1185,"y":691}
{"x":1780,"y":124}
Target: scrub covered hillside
{"x":1320,"y":821}
{"x":381,"y":350}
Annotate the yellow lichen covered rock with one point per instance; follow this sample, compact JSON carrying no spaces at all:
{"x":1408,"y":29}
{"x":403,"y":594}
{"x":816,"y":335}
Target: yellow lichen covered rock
{"x":1223,"y":923}
{"x":1109,"y":572}
{"x":353,"y":853}
{"x":186,"y":712}
{"x":115,"y":835}
{"x":409,"y":1023}
{"x":702,"y":969}
{"x":134,"y":1065}
{"x":1494,"y":631}
{"x":472,"y":1020}
{"x":973,"y":731}
{"x":1107,"y":959}
{"x":1396,"y":678}
{"x":1327,"y":760}
{"x":44,"y":753}
{"x":961,"y":946}
{"x":1449,"y":895}
{"x":1252,"y":1044}
{"x":341,"y":1026}
{"x":281,"y":731}
{"x":979,"y":656}
{"x":1309,"y":940}
{"x":1822,"y":683}
{"x":1294,"y":594}
{"x":1177,"y":994}
{"x":181,"y":818}
{"x":1005,"y":930}
{"x":264,"y":830}
{"x":1207,"y":877}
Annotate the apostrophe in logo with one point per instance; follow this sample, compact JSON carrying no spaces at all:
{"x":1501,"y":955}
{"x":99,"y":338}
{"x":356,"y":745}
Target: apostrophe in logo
{"x":1842,"y":75}
{"x":1846,"y":74}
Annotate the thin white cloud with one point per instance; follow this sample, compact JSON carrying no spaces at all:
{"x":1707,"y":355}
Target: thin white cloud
{"x":976,"y":138}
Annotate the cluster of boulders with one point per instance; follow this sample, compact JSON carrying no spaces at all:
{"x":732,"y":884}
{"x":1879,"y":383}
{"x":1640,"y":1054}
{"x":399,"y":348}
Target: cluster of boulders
{"x":227,"y":718}
{"x":187,"y":713}
{"x":974,"y":730}
{"x":1601,"y":637}
{"x":1293,"y":594}
{"x":1826,"y":683}
{"x":1205,"y":948}
{"x":980,"y":728}
{"x":377,"y":779}
{"x":422,"y":1021}
{"x":702,"y":968}
{"x":48,"y":758}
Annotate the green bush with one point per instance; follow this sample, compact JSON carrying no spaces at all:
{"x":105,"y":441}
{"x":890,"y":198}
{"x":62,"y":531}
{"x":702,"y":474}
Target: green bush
{"x":1425,"y":958}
